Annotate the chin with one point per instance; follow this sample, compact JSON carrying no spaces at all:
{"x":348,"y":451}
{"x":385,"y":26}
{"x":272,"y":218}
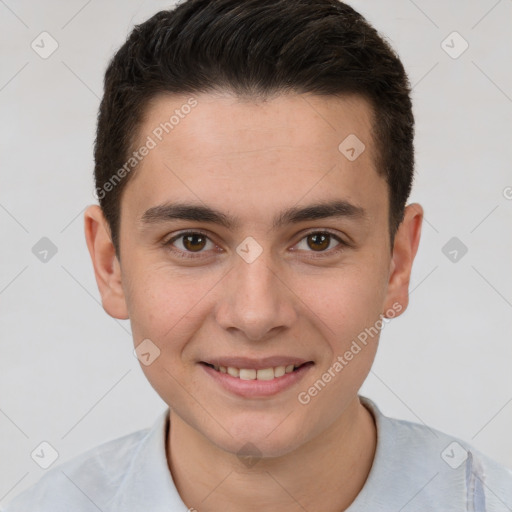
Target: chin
{"x":261,"y":436}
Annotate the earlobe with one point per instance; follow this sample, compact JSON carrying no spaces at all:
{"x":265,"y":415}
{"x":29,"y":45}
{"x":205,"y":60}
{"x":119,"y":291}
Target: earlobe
{"x":107,"y":269}
{"x":405,"y":247}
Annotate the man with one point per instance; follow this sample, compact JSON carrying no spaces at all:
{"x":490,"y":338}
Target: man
{"x":253,"y":163}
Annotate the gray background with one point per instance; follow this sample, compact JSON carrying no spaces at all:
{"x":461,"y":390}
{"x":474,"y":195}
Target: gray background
{"x":67,"y":372}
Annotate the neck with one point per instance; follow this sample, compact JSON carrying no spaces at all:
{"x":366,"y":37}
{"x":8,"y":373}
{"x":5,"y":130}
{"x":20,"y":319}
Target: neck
{"x":325,"y":474}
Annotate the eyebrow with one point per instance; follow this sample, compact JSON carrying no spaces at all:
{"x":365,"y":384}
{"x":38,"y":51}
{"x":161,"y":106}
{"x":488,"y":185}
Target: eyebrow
{"x":200,"y":213}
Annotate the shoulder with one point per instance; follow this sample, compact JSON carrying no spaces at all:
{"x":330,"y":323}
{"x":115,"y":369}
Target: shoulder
{"x":85,"y":483}
{"x":442,"y":469}
{"x":434,"y":446}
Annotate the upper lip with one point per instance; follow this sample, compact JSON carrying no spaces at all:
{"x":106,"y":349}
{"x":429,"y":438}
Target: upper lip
{"x":256,"y":364}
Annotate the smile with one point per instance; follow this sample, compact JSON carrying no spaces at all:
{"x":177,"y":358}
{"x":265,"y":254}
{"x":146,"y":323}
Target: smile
{"x":269,"y":378}
{"x":253,"y":374}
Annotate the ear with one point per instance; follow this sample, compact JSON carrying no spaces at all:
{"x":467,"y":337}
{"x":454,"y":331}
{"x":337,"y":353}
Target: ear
{"x":405,"y":247}
{"x":107,"y":269}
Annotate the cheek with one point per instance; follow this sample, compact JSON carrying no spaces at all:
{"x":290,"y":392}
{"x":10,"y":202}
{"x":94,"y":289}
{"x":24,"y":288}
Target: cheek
{"x":165,"y":306}
{"x":347,"y":314}
{"x":167,"y":309}
{"x":346,"y":302}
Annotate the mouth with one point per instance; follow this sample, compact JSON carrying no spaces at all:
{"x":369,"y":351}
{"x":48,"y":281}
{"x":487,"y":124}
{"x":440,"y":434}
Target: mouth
{"x":259,"y":374}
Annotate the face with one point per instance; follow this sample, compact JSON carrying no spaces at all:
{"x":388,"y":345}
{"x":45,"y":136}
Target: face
{"x":254,"y":245}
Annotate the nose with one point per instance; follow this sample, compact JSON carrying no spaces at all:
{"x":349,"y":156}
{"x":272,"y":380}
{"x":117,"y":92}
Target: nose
{"x":256,"y":301}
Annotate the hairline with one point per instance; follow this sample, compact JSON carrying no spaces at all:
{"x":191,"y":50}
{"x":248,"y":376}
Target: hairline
{"x":220,"y":91}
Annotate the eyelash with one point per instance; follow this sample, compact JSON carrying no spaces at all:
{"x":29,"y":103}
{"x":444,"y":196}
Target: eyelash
{"x":190,"y":255}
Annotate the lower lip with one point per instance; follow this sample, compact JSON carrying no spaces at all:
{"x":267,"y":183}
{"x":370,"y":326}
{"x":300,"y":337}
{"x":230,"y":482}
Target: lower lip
{"x":257,"y":388}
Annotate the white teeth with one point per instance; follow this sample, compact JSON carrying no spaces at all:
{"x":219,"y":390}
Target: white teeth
{"x":252,"y":374}
{"x":246,"y":374}
{"x":234,"y":372}
{"x":266,"y":374}
{"x":279,"y":371}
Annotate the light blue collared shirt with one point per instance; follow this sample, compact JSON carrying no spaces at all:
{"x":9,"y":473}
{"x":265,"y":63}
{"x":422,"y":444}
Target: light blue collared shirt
{"x":415,"y":468}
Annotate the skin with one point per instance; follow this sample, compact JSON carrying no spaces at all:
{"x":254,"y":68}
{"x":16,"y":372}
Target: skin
{"x":252,"y":159}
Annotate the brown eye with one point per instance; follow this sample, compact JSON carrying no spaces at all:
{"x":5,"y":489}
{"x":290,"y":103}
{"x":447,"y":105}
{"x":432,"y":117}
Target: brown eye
{"x":194,"y":242}
{"x":318,"y":241}
{"x":191,"y":244}
{"x":320,"y":244}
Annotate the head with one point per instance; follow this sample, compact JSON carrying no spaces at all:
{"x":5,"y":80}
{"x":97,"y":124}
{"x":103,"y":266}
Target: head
{"x":253,"y":161}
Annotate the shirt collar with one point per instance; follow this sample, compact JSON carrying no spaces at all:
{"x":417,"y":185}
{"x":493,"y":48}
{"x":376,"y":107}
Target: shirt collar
{"x":148,"y":483}
{"x":407,"y":473}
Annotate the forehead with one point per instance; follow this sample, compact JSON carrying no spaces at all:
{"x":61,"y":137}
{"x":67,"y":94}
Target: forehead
{"x":218,"y":148}
{"x":299,"y":120}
